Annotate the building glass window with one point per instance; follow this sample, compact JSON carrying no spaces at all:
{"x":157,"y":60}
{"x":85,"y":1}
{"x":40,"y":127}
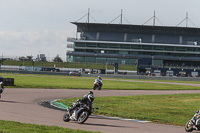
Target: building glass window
{"x":102,"y":45}
{"x":91,"y":45}
{"x":79,"y":44}
{"x":136,"y":46}
{"x":90,"y":59}
{"x":158,"y":47}
{"x":169,"y":48}
{"x":125,"y":46}
{"x":147,"y":47}
{"x":114,"y":45}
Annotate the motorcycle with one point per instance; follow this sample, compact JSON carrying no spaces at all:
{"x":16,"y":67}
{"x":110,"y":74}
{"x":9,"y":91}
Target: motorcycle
{"x":194,"y":123}
{"x":1,"y":88}
{"x":80,"y":113}
{"x":97,"y":85}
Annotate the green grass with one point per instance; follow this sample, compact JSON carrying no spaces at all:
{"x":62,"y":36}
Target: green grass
{"x":69,"y":65}
{"x":16,"y":127}
{"x":167,"y":109}
{"x":71,"y":82}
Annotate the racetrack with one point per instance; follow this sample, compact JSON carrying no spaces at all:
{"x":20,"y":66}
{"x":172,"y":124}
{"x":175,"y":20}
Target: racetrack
{"x":21,"y":105}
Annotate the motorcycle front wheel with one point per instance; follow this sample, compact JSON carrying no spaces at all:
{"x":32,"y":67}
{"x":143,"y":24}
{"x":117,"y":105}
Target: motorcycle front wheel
{"x":189,"y":126}
{"x":83,"y":117}
{"x":66,"y":117}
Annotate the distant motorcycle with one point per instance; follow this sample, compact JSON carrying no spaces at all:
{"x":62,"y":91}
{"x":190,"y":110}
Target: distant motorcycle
{"x":194,"y":123}
{"x":79,"y":114}
{"x":1,"y":88}
{"x":97,"y":85}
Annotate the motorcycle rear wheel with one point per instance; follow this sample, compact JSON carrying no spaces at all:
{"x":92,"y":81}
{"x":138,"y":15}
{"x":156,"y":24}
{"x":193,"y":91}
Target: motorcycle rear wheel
{"x":66,"y":117}
{"x":189,"y":126}
{"x":94,"y":88}
{"x":99,"y":88}
{"x":83,"y":117}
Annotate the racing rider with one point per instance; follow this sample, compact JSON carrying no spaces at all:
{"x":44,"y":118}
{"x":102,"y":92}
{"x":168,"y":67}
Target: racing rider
{"x":1,"y":88}
{"x":86,"y":99}
{"x":99,"y":80}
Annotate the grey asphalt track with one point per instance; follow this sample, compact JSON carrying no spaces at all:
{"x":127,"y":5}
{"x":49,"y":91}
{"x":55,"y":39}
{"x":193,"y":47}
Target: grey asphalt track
{"x":21,"y":105}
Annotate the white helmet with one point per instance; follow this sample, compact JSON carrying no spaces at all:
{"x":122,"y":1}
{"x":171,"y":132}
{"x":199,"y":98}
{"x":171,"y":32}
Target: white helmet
{"x":91,"y":97}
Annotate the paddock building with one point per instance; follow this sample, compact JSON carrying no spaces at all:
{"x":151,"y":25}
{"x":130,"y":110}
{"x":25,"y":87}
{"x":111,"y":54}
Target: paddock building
{"x":157,"y":50}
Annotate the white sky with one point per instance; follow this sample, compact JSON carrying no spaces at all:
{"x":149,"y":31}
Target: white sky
{"x":31,"y":27}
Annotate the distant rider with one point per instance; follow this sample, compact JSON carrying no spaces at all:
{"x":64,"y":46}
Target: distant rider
{"x":86,"y":99}
{"x":1,"y":88}
{"x":99,"y":80}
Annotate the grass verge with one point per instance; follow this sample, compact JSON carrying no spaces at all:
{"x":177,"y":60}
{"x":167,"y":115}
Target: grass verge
{"x":70,"y":82}
{"x":166,"y":109}
{"x":69,"y":65}
{"x":16,"y":127}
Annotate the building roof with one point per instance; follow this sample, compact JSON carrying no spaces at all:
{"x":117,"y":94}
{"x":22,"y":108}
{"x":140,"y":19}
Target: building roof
{"x":127,"y":28}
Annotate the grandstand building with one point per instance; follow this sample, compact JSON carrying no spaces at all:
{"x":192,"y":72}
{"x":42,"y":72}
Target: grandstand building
{"x":159,"y":50}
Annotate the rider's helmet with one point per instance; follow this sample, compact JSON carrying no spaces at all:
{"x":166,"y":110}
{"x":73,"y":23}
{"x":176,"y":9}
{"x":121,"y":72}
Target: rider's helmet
{"x":90,"y":92}
{"x":99,"y":77}
{"x":90,"y":96}
{"x":1,"y":84}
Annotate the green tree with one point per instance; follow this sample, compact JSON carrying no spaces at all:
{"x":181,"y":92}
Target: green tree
{"x":57,"y":59}
{"x":29,"y":57}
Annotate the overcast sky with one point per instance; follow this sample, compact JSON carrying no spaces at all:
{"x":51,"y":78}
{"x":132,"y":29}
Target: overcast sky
{"x":31,"y":27}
